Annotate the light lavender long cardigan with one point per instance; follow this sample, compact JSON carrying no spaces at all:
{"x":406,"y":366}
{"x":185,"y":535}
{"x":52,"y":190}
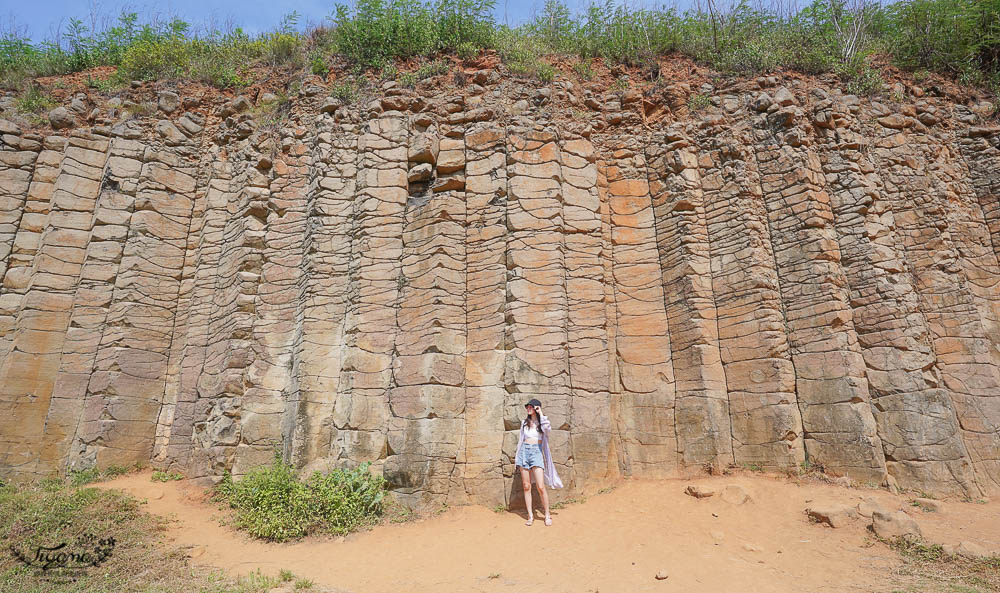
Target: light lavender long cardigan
{"x":551,"y":477}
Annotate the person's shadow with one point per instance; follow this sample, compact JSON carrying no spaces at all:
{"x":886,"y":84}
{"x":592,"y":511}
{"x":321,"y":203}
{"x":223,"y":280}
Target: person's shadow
{"x":516,"y":498}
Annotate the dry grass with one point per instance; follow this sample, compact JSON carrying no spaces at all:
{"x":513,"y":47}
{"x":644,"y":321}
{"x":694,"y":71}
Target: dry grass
{"x":56,"y":511}
{"x":927,"y":569}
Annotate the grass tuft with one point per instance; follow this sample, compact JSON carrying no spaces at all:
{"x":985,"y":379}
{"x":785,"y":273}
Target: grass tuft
{"x":935,"y":571}
{"x":160,"y":476}
{"x":55,"y":511}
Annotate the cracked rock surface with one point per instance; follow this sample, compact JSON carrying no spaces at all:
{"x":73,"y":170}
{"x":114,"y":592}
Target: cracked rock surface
{"x":768,"y":281}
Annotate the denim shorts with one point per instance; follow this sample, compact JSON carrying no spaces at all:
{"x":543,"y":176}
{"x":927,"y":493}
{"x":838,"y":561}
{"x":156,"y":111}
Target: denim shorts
{"x":529,"y":456}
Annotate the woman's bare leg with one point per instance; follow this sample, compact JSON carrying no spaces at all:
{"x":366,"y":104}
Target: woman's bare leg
{"x":526,"y":484}
{"x":542,"y":492}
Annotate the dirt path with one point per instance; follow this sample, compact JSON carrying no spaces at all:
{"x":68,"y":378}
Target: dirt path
{"x":613,"y":542}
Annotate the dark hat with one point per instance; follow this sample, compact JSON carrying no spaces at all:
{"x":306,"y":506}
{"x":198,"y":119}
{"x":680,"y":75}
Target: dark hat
{"x":534,"y":402}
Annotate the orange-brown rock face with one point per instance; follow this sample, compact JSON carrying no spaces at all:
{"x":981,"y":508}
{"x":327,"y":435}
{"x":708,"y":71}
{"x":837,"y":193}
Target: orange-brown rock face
{"x":764,"y":282}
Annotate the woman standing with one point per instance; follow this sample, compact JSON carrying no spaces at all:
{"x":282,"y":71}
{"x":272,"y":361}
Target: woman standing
{"x":535,"y":459}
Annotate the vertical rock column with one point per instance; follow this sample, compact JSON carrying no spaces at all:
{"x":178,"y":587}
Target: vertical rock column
{"x":213,"y":371}
{"x":26,"y":186}
{"x":174,"y":442}
{"x":642,"y":372}
{"x":587,"y":321}
{"x":916,"y":420}
{"x":27,"y":219}
{"x":840,"y":432}
{"x":126,"y":389}
{"x":278,"y":331}
{"x":486,"y":280}
{"x":94,"y":295}
{"x":362,"y":408}
{"x":980,"y":146}
{"x":427,"y":426}
{"x":966,"y":356}
{"x":29,"y":371}
{"x":760,"y":376}
{"x":17,"y":163}
{"x":325,"y":270}
{"x":189,"y":323}
{"x":537,"y":363}
{"x":701,"y":410}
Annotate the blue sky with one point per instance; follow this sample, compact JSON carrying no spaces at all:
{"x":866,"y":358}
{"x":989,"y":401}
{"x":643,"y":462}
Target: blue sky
{"x":42,"y":19}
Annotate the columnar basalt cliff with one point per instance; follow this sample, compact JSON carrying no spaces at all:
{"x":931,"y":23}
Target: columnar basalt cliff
{"x":790,"y":274}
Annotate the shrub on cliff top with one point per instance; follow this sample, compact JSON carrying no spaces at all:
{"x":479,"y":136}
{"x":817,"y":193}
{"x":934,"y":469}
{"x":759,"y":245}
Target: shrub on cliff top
{"x":958,"y":37}
{"x":272,"y":504}
{"x":374,"y":32}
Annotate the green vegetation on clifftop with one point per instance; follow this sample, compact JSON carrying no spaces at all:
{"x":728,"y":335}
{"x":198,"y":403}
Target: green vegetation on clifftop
{"x":959,"y":38}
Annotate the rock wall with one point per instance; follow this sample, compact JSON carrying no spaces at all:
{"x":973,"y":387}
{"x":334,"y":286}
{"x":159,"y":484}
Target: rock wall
{"x":789,"y":275}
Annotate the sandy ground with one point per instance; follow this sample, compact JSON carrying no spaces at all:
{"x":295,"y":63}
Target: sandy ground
{"x":612,"y":542}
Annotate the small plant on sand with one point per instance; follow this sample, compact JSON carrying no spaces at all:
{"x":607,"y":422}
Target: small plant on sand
{"x":568,"y":501}
{"x":272,"y":503}
{"x":301,"y":584}
{"x":810,"y":467}
{"x":285,"y":575}
{"x":397,"y":512}
{"x":160,"y":476}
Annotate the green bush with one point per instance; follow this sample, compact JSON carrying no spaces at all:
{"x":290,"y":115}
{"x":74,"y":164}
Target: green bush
{"x":317,"y":64}
{"x":467,"y":50}
{"x":428,"y":70}
{"x":346,"y":91}
{"x":374,"y":32}
{"x":944,"y":35}
{"x":272,"y":504}
{"x":545,"y":73}
{"x":699,"y":102}
{"x":861,"y":78}
{"x":33,"y":100}
{"x":583,"y":70}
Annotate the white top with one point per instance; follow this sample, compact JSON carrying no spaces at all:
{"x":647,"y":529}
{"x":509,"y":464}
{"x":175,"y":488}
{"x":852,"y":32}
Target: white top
{"x":532,"y":432}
